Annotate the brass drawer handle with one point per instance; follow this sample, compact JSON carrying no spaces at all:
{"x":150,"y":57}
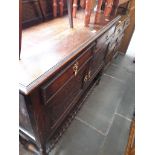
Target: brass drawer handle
{"x":89,"y":75}
{"x":86,"y":78}
{"x":75,"y":68}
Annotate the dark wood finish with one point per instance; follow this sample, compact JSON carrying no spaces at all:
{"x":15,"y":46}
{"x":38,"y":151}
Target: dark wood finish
{"x":57,"y":50}
{"x":69,"y":6}
{"x":58,"y":67}
{"x":120,"y":4}
{"x":50,"y":89}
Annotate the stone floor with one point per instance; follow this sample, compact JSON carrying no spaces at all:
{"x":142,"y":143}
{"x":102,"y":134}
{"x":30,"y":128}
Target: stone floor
{"x":102,"y":125}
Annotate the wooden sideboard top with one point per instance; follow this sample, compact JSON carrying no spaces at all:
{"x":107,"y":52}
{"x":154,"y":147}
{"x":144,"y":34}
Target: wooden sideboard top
{"x":48,"y":46}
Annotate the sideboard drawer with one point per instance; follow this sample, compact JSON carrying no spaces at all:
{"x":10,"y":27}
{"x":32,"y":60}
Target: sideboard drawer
{"x":127,"y":22}
{"x":104,"y":38}
{"x":65,"y":98}
{"x":119,"y":39}
{"x":119,"y":29}
{"x":49,"y":89}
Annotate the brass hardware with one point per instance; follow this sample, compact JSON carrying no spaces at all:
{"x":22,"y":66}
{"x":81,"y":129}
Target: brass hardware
{"x":86,"y":78}
{"x":75,"y":68}
{"x":89,"y":74}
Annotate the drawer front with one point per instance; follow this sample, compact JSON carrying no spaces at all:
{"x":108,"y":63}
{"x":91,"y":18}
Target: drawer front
{"x":112,"y":45}
{"x":49,"y":89}
{"x":126,"y":23}
{"x":104,"y":38}
{"x":109,"y":57}
{"x":63,"y":101}
{"x":118,"y":42}
{"x":98,"y":60}
{"x":119,"y":39}
{"x":109,"y":54}
{"x":119,"y":29}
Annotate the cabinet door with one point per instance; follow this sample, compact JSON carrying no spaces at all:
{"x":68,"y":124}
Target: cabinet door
{"x":98,"y":60}
{"x":61,"y":103}
{"x":62,"y":93}
{"x":110,"y":52}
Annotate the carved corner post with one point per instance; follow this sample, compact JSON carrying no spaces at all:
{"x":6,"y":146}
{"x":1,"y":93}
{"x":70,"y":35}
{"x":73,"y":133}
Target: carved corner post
{"x":69,"y":7}
{"x":61,"y":7}
{"x":87,"y":12}
{"x":55,"y":5}
{"x":108,"y":8}
{"x":20,"y":26}
{"x":74,"y":8}
{"x":98,"y":11}
{"x":38,"y":121}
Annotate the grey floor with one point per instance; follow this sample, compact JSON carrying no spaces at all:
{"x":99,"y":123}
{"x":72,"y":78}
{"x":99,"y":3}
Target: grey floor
{"x":102,"y":125}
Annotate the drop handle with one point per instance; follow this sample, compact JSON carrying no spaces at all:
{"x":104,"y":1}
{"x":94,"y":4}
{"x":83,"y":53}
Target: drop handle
{"x":86,"y":78}
{"x":75,"y":68}
{"x":89,"y":75}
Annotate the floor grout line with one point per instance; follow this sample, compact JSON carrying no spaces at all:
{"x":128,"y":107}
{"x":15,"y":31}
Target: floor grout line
{"x":111,"y":122}
{"x":114,"y":78}
{"x":89,"y":125}
{"x":113,"y":64}
{"x":123,"y":116}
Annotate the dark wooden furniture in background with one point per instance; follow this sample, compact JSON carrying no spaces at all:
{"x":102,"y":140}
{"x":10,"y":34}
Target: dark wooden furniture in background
{"x":37,"y":11}
{"x":58,"y":67}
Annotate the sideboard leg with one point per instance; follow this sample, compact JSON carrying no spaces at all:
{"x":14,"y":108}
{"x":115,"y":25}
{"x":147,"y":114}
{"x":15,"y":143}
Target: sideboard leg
{"x":99,"y":77}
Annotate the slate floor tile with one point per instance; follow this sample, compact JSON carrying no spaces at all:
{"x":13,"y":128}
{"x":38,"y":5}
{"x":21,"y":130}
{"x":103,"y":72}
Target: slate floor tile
{"x":118,"y":72}
{"x":127,"y":105}
{"x":116,"y":140}
{"x":125,"y":62}
{"x":79,"y":139}
{"x":100,"y":107}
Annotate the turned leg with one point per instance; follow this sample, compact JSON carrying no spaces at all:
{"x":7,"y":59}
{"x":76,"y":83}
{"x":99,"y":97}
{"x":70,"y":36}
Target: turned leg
{"x":74,"y":8}
{"x":69,"y":7}
{"x":87,"y":13}
{"x":61,"y":6}
{"x":97,"y":15}
{"x":55,"y":8}
{"x":108,"y":8}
